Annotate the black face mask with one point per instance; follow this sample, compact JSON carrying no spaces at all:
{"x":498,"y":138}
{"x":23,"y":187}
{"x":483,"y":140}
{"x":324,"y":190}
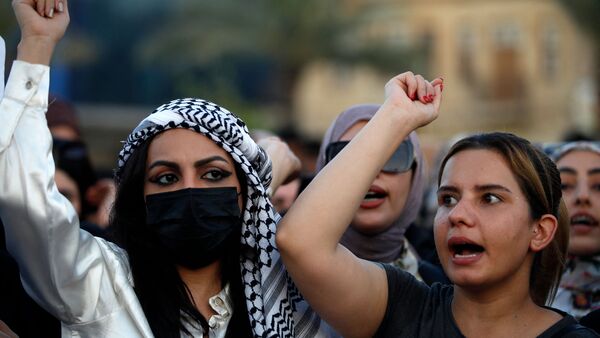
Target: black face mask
{"x":195,"y":227}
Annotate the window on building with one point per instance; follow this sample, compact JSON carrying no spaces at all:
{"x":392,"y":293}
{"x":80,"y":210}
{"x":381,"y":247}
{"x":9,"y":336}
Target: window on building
{"x":466,"y":55}
{"x":507,"y":73}
{"x":550,"y":52}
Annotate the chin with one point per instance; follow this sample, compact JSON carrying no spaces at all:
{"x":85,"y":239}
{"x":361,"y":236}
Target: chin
{"x":467,"y":281}
{"x":583,"y":247}
{"x":369,"y":230}
{"x":464,"y":277}
{"x":370,"y":225}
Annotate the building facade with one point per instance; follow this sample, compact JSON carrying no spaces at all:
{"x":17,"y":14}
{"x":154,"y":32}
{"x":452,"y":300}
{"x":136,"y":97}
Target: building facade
{"x":517,"y":66}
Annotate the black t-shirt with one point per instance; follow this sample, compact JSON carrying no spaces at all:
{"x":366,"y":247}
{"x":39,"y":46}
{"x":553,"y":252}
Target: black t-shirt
{"x":416,"y":310}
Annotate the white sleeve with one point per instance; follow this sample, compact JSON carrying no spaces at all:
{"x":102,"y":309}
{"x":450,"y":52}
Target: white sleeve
{"x":62,"y":267}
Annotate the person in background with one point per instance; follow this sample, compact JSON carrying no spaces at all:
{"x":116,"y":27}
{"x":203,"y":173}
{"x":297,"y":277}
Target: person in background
{"x":579,"y":166}
{"x":6,"y":332}
{"x":286,"y":192}
{"x":392,"y":203}
{"x":68,"y":188}
{"x":285,"y":195}
{"x":71,"y":156}
{"x":17,"y":309}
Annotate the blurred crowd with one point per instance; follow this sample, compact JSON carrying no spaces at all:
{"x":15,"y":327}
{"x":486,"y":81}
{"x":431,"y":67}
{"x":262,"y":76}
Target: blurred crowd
{"x":393,"y":224}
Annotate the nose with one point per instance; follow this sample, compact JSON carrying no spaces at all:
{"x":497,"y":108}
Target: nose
{"x":462,"y":214}
{"x":189,"y":180}
{"x":582,"y":196}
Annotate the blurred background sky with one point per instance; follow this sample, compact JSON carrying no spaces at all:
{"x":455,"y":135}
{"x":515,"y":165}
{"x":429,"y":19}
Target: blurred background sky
{"x":290,"y":66}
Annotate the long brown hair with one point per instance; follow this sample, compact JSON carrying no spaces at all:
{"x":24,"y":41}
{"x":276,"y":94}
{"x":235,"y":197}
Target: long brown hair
{"x":539,"y":180}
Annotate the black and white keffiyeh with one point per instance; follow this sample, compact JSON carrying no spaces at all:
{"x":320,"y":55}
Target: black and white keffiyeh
{"x":275,"y":307}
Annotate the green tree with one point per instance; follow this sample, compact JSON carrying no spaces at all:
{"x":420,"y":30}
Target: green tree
{"x":213,"y":35}
{"x":586,"y":14}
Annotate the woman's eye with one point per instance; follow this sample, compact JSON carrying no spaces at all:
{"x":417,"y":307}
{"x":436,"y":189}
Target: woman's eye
{"x":216,"y":175}
{"x":165,"y":179}
{"x":566,"y":186}
{"x":596,"y":187}
{"x":447,"y":200}
{"x":491,"y":198}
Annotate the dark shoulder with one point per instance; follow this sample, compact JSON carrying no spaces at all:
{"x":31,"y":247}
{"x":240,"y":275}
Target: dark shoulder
{"x":401,"y":282}
{"x":416,"y":310}
{"x":580,"y":331}
{"x":591,"y":320}
{"x":568,"y":327}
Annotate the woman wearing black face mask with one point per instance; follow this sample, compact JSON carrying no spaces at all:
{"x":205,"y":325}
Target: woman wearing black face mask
{"x":195,"y":229}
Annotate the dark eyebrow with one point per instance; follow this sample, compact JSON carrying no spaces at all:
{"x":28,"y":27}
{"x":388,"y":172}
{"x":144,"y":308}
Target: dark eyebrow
{"x":197,"y":164}
{"x":567,"y":170}
{"x":594,"y":171}
{"x":169,"y":164}
{"x":447,"y":188}
{"x":207,"y":160}
{"x":487,"y":187}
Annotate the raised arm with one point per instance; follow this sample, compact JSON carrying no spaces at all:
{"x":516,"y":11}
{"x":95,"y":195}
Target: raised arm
{"x":350,"y":293}
{"x":63,"y":268}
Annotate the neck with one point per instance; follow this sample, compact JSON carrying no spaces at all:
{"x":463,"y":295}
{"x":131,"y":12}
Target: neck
{"x":487,"y":304}
{"x":501,"y":309}
{"x":203,"y":283}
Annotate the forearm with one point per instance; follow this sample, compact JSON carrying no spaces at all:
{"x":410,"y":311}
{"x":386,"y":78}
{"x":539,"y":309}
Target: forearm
{"x":42,"y":229}
{"x":334,"y":281}
{"x":24,"y":167}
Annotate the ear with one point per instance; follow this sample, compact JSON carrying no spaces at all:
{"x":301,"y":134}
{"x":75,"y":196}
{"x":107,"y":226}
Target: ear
{"x":543,"y":231}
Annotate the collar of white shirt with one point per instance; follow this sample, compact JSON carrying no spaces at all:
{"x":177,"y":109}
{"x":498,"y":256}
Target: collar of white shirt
{"x":217,"y":324}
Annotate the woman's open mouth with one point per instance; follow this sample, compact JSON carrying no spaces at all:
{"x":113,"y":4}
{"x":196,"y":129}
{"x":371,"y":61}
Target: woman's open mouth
{"x":464,"y":251}
{"x":584,"y":219}
{"x":374,"y":198}
{"x":582,"y":222}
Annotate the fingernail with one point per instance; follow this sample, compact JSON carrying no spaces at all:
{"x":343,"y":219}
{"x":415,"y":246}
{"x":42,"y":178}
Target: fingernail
{"x":60,"y":7}
{"x":51,"y":12}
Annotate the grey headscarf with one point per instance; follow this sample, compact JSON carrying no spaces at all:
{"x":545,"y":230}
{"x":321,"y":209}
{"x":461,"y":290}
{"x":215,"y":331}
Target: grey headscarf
{"x":385,"y":246}
{"x":561,"y":150}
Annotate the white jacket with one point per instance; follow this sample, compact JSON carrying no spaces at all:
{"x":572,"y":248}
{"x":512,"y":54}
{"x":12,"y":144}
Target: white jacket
{"x":83,"y":280}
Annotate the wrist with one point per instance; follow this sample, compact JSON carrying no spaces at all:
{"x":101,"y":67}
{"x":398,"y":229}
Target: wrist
{"x":36,"y":50}
{"x":399,"y":117}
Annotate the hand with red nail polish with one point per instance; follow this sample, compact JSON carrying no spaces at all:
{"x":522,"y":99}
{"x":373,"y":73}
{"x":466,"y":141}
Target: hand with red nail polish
{"x":421,"y":111}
